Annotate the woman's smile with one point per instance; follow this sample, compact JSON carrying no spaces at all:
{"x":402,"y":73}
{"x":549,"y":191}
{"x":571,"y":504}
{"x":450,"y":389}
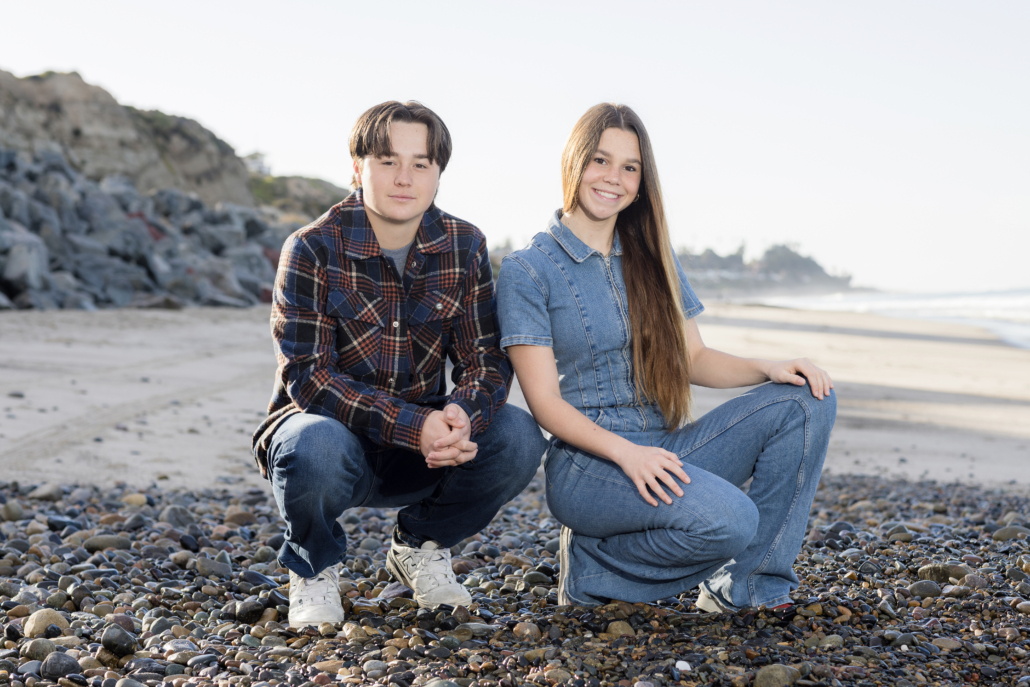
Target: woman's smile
{"x":607,"y":195}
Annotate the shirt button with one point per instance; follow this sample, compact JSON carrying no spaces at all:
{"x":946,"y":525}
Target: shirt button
{"x":439,"y":306}
{"x":413,"y":263}
{"x":396,"y":324}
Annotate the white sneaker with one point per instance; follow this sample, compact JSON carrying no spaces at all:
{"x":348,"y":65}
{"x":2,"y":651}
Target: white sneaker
{"x":315,"y":600}
{"x":713,"y":604}
{"x":427,"y":571}
{"x":565,"y":543}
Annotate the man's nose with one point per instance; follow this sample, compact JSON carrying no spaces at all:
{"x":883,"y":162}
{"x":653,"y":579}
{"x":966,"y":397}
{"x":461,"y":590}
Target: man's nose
{"x":403,"y":177}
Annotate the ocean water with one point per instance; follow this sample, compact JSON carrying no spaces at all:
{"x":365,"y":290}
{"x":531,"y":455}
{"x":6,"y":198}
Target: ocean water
{"x":1004,"y":313}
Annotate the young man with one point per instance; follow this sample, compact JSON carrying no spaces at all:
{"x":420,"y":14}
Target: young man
{"x":369,"y":300}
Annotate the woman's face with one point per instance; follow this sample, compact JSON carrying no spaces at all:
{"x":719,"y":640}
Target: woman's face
{"x":612,"y":177}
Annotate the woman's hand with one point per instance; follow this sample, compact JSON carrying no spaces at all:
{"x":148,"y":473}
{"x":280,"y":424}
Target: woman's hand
{"x":647,"y":466}
{"x":797,"y":371}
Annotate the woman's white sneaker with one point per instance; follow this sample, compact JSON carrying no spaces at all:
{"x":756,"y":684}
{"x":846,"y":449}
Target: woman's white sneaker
{"x":315,"y":600}
{"x":427,"y":571}
{"x":709,"y":603}
{"x":564,"y":551}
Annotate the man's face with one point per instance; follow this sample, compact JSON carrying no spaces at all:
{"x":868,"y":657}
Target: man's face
{"x":400,"y":187}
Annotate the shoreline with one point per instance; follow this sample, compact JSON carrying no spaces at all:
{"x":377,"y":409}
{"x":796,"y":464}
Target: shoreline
{"x":172,"y":397}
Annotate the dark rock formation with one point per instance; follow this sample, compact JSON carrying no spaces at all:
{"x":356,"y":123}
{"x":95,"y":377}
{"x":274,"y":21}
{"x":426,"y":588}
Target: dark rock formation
{"x":69,"y":242}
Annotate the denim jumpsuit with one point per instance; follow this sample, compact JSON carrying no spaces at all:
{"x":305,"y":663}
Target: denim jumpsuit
{"x":560,"y":293}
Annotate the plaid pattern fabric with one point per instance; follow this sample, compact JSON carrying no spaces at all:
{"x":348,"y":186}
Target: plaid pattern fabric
{"x":356,"y":344}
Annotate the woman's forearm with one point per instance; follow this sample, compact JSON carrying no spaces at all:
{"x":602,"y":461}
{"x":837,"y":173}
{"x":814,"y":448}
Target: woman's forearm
{"x":718,"y":370}
{"x":564,"y":421}
{"x":538,"y":378}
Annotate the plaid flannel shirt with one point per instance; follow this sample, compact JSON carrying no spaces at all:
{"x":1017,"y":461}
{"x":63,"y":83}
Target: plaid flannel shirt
{"x":355,"y":344}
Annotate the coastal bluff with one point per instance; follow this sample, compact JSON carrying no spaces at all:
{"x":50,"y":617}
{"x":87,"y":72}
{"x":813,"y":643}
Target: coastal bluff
{"x":99,"y":137}
{"x":106,"y":206}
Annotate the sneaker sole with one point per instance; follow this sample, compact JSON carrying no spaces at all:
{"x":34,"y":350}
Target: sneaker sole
{"x":564,"y":544}
{"x":709,"y":604}
{"x":300,"y":624}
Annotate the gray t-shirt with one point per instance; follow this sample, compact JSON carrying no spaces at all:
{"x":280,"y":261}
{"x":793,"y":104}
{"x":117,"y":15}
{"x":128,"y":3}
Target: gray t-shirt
{"x":397,"y":257}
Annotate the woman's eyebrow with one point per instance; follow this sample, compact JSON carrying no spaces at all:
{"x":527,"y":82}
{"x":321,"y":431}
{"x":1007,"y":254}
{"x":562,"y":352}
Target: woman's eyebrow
{"x":605,"y":153}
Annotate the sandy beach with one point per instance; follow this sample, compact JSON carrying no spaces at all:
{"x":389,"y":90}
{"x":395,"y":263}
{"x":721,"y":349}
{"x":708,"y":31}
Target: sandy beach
{"x":172,"y":396}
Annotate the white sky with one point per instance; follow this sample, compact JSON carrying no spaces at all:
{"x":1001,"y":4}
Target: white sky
{"x":887,"y":139}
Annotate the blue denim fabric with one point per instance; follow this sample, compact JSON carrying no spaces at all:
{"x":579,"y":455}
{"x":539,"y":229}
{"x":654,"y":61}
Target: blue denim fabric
{"x":319,"y":469}
{"x":559,"y":292}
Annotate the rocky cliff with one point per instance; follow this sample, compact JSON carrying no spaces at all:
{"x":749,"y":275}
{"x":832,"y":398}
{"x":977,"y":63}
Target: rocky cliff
{"x":107,"y":206}
{"x":99,"y":137}
{"x":69,"y":242}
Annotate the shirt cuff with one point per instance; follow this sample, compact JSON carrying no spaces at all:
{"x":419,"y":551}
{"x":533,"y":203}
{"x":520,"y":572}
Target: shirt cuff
{"x":407,"y":428}
{"x":468,"y":400}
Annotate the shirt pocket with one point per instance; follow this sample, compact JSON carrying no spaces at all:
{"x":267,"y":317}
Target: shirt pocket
{"x":360,"y":318}
{"x":429,"y":329}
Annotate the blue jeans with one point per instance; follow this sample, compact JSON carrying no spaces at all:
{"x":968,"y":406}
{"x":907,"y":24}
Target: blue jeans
{"x":319,"y":469}
{"x":741,"y":546}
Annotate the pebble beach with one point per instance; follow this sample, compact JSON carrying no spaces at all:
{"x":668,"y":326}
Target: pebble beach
{"x":138,"y":542}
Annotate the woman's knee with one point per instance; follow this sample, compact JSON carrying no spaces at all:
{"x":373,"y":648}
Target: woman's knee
{"x":824,"y":412}
{"x":732,"y":525}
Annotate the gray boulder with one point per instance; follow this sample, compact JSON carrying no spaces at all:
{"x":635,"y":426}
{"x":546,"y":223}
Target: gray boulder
{"x":26,"y":265}
{"x":14,"y":204}
{"x":252,"y":268}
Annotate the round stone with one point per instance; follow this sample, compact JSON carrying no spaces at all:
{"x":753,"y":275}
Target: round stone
{"x":526,"y":632}
{"x":38,"y":649}
{"x":59,"y":664}
{"x":38,"y":622}
{"x":925,"y":589}
{"x":118,"y":641}
{"x":620,"y":628}
{"x":776,"y":676}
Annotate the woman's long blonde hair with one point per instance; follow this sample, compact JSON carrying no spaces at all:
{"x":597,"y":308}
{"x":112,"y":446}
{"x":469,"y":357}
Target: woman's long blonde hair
{"x":661,"y":362}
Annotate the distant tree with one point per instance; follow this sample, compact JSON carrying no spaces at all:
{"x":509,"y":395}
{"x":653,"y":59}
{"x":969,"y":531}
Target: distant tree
{"x":787,"y":264}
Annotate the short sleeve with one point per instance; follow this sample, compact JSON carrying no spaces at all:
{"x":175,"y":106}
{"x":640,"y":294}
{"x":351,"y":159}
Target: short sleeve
{"x":522,"y":305}
{"x":691,"y":304}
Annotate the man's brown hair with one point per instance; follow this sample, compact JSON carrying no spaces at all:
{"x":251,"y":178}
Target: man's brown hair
{"x":371,"y":133}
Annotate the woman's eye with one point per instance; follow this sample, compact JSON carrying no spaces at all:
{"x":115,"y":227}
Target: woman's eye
{"x":600,"y":161}
{"x":630,"y":168}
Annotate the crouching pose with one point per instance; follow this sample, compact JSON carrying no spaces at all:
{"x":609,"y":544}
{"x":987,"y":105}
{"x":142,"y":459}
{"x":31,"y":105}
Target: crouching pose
{"x":369,"y":302}
{"x":597,"y":316}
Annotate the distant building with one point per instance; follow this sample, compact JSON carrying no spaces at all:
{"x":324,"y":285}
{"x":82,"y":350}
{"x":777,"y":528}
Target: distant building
{"x":256,"y":164}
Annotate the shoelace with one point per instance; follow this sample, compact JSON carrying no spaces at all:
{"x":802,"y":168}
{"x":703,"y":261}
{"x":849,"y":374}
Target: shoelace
{"x":438,"y":579}
{"x":327,"y":575}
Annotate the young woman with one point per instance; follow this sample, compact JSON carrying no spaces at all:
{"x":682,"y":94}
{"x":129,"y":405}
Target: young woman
{"x":597,"y":316}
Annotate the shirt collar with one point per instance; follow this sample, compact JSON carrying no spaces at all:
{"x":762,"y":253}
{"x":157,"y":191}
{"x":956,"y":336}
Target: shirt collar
{"x":359,"y":241}
{"x":571,"y":243}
